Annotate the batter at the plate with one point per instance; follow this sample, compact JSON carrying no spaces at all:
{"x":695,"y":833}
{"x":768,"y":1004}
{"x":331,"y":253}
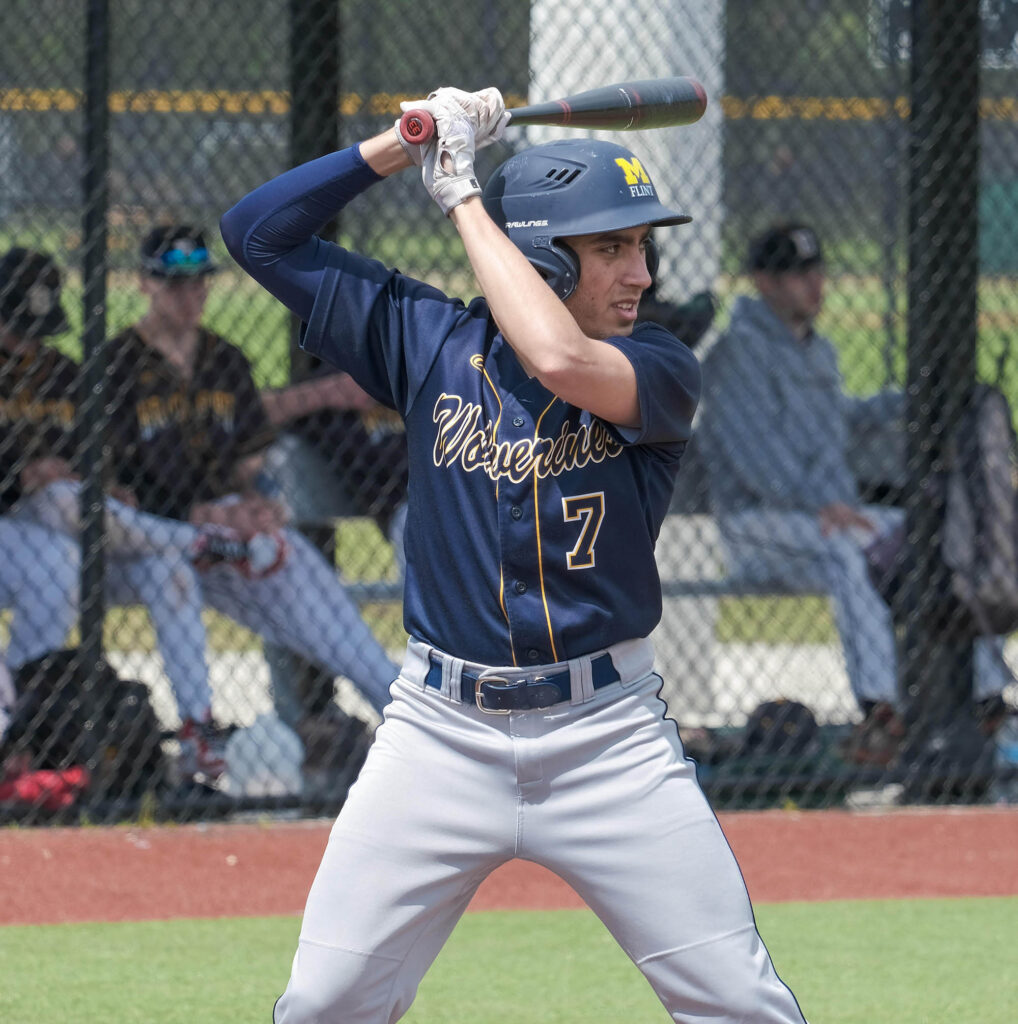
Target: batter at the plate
{"x":545,"y":428}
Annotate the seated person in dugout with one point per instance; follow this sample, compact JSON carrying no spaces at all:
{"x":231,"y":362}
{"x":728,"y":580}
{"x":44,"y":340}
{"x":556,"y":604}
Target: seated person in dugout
{"x":776,"y":428}
{"x":190,"y":432}
{"x":339,"y":452}
{"x":150,"y":559}
{"x":354,"y":440}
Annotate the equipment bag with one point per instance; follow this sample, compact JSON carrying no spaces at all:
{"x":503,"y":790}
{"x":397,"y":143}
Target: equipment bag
{"x":980,"y":542}
{"x":979,"y":539}
{"x":65,"y":716}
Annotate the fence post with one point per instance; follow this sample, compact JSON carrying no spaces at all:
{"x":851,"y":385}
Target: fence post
{"x":314,"y":105}
{"x":299,"y":687}
{"x":91,"y":385}
{"x":943,"y":278}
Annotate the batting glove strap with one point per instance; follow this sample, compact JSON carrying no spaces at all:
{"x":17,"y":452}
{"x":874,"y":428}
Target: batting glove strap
{"x":448,"y":162}
{"x":449,"y":194}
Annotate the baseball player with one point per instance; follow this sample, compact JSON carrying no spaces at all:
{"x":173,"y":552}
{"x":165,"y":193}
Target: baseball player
{"x":544,"y":431}
{"x":189,"y":435}
{"x":152,"y":560}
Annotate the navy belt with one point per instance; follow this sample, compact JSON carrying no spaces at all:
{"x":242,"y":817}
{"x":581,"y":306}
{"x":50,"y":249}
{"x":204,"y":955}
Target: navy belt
{"x":499,"y":696}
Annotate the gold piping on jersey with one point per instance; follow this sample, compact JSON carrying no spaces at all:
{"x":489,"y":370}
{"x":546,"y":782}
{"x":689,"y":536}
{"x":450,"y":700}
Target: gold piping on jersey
{"x":477,"y":362}
{"x":537,"y":527}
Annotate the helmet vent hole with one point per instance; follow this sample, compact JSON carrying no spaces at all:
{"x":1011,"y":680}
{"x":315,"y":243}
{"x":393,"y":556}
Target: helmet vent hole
{"x":565,"y":175}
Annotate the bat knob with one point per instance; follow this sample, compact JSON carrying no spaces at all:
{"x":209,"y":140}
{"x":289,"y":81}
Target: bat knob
{"x":417,"y":127}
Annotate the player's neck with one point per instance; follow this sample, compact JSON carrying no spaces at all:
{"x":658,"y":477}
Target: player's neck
{"x":176,"y":346}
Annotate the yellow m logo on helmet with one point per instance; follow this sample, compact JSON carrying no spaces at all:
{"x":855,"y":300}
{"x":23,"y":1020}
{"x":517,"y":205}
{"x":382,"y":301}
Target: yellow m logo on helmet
{"x":633,"y":170}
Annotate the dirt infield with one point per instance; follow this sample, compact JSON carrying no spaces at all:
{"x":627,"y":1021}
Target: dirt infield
{"x":121,"y":874}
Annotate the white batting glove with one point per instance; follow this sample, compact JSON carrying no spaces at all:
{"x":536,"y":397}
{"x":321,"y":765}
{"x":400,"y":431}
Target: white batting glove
{"x":448,"y":160}
{"x":485,"y":108}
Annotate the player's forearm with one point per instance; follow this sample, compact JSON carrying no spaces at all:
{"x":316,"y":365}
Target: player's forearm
{"x":336,"y":391}
{"x":384,"y":154}
{"x":532,"y":319}
{"x":582,"y":371}
{"x":292,"y":402}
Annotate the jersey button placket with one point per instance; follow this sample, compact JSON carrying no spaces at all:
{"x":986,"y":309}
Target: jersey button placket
{"x":520,"y":587}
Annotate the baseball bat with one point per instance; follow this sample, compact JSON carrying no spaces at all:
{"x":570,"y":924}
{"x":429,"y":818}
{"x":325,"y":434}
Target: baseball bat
{"x":627,"y":106}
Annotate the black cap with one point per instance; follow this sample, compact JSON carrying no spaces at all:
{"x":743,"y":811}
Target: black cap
{"x":176,"y":250}
{"x":785,"y":247}
{"x":30,"y":294}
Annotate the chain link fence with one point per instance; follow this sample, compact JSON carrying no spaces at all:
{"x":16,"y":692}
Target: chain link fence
{"x":160,"y":668}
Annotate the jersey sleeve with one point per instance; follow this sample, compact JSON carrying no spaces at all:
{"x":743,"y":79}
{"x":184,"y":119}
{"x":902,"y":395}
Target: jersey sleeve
{"x":380,"y":326}
{"x":273,"y":231}
{"x":668,"y":386}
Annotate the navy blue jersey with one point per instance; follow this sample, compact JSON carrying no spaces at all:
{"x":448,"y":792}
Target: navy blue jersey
{"x":532,"y":523}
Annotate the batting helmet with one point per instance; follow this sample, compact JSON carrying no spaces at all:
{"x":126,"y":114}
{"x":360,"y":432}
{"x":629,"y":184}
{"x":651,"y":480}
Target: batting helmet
{"x":547,"y":193}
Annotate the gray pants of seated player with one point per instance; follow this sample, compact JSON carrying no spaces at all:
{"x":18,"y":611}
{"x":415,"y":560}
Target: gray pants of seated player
{"x":790,"y":549}
{"x":146,"y":564}
{"x":596,"y":789}
{"x":305,"y":608}
{"x":314,"y":494}
{"x":39,"y":584}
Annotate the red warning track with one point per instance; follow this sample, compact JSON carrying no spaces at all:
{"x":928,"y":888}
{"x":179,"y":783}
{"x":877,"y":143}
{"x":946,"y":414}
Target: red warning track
{"x":124,"y":874}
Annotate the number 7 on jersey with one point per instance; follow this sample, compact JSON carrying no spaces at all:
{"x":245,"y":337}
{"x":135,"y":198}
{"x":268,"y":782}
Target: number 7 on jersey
{"x":589,"y":510}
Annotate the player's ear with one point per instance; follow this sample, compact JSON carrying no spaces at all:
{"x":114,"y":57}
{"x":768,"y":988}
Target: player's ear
{"x":653,"y":258}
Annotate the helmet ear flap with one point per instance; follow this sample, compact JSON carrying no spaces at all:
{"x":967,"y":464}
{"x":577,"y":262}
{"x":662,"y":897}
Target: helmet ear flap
{"x":557,"y":264}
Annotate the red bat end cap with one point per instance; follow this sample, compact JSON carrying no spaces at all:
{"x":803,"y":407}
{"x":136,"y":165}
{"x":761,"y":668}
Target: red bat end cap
{"x":417,"y":127}
{"x":701,"y":93}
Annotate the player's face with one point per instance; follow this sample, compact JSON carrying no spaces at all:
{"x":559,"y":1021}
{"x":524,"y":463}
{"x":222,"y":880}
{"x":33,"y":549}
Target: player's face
{"x":178,"y":303}
{"x":613,"y":276}
{"x":797,"y":296}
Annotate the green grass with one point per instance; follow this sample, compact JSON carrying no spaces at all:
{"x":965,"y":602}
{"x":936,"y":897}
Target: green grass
{"x":776,"y":620}
{"x":869,"y":962}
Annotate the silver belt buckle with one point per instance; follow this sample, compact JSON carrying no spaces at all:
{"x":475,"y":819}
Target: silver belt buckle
{"x":477,"y":694}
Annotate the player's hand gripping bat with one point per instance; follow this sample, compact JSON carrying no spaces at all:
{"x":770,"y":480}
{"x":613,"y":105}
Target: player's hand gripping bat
{"x":627,"y":106}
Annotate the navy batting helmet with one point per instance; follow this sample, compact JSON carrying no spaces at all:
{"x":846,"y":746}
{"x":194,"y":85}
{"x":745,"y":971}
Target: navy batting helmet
{"x":571,"y":187}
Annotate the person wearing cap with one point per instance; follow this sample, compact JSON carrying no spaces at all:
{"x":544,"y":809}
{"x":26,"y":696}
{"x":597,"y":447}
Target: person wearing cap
{"x":776,"y":428}
{"x":40,"y":573}
{"x":190,"y":434}
{"x":151,"y":560}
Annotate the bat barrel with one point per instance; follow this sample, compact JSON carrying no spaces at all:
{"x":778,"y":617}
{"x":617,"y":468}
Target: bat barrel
{"x":654,"y":103}
{"x":629,"y":106}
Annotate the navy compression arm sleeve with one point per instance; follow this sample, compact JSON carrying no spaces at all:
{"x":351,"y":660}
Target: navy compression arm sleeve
{"x":271,"y":232}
